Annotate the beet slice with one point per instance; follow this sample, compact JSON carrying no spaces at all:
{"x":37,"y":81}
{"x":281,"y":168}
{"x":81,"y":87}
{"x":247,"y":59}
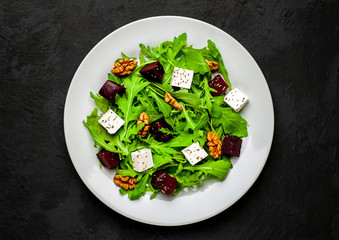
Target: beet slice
{"x":219,"y":84}
{"x":108,"y":159}
{"x":164,"y":182}
{"x":153,"y":72}
{"x":110,"y":89}
{"x":157,"y":134}
{"x":231,"y":145}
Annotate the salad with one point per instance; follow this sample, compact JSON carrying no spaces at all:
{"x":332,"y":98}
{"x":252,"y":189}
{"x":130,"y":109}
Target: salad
{"x":163,"y":120}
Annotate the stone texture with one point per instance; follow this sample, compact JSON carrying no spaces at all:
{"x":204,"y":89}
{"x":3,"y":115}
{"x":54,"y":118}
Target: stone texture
{"x":294,"y":42}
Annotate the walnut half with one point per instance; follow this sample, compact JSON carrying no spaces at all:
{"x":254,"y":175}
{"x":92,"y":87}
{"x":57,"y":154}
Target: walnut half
{"x":143,"y":118}
{"x":213,"y":65}
{"x":214,"y":144}
{"x":125,"y":182}
{"x":172,"y":101}
{"x":124,"y":67}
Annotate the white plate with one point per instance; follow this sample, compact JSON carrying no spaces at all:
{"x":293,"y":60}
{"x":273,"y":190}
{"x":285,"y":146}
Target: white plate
{"x":211,"y":197}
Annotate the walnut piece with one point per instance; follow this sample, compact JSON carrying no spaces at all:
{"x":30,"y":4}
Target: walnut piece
{"x":125,"y":182}
{"x":213,"y":65}
{"x":143,"y":118}
{"x":124,"y":67}
{"x":171,"y":100}
{"x":214,"y":144}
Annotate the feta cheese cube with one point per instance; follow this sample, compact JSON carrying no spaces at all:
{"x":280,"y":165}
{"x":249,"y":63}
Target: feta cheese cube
{"x":182,"y":78}
{"x":194,"y":153}
{"x":236,"y":99}
{"x":111,"y":121}
{"x":142,"y":159}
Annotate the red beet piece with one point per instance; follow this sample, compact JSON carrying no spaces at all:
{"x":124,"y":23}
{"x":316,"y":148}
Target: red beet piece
{"x":108,"y":159}
{"x":157,"y":134}
{"x":219,"y":84}
{"x":231,"y":145}
{"x":153,"y":72}
{"x":110,"y":89}
{"x":164,"y":182}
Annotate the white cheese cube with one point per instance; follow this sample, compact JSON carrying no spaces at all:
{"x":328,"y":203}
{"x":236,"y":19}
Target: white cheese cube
{"x":182,"y":78}
{"x":142,"y":159}
{"x":111,"y":121}
{"x":236,"y":99}
{"x":194,"y":153}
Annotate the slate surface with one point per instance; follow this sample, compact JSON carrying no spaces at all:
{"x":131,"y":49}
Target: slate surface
{"x":294,"y":42}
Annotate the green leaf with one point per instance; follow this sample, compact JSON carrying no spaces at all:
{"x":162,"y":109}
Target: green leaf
{"x":114,"y":78}
{"x":167,"y":131}
{"x":160,"y":160}
{"x":222,"y":68}
{"x":207,"y":97}
{"x":189,"y":98}
{"x":159,"y":147}
{"x":191,"y":121}
{"x":163,"y":87}
{"x":101,"y":137}
{"x":102,"y":103}
{"x":178,"y":43}
{"x":124,"y":56}
{"x":140,"y":189}
{"x":147,"y":51}
{"x":165,"y":108}
{"x":125,"y":169}
{"x":183,"y":140}
{"x":132,"y":130}
{"x":195,"y":61}
{"x":133,"y":86}
{"x":142,"y":58}
{"x":232,"y":122}
{"x":147,"y":103}
{"x":200,"y":136}
{"x":218,"y":168}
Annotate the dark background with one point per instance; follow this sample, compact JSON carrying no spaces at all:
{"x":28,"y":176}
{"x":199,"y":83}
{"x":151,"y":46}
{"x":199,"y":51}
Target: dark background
{"x":295,"y":44}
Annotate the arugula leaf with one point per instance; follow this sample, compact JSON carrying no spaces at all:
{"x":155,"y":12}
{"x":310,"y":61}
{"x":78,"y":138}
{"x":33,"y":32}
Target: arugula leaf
{"x":102,"y":103}
{"x":183,"y":140}
{"x":140,"y":189}
{"x":101,"y":137}
{"x":142,"y":58}
{"x":195,"y":61}
{"x":163,"y":87}
{"x":188,"y":98}
{"x":190,"y":117}
{"x":160,"y":160}
{"x":116,"y":140}
{"x":200,"y":136}
{"x":220,"y":131}
{"x":114,"y":78}
{"x":217,"y":168}
{"x":124,"y":56}
{"x":133,"y":85}
{"x":207,"y":96}
{"x":165,"y":108}
{"x":159,"y":147}
{"x":132,"y":130}
{"x":232,"y":122}
{"x":161,"y":50}
{"x":125,"y":168}
{"x":167,"y":131}
{"x":211,"y":46}
{"x":188,"y":179}
{"x":178,"y":43}
{"x":147,"y":51}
